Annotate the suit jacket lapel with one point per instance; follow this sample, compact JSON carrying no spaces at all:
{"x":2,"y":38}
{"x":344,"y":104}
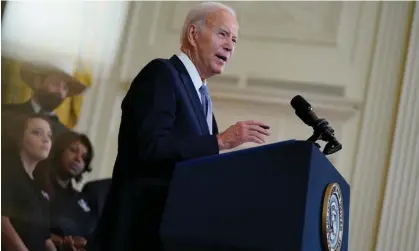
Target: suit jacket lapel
{"x":193,"y":95}
{"x":214,"y":125}
{"x":27,"y":107}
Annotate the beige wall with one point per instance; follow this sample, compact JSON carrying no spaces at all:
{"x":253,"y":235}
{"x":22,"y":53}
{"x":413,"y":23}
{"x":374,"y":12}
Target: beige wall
{"x":346,"y":58}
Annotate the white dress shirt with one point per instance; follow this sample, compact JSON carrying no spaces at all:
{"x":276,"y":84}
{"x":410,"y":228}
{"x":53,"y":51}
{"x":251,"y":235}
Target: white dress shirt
{"x":196,"y":79}
{"x":37,"y":108}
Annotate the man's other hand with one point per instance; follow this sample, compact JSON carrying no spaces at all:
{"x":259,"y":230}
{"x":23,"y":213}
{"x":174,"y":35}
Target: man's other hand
{"x":243,"y":132}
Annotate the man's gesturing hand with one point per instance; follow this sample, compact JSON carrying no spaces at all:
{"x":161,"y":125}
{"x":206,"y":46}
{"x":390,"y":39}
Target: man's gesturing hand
{"x":242,"y":132}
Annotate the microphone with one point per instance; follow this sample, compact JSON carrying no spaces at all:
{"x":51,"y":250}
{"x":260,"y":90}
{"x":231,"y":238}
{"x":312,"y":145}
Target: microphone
{"x":304,"y":110}
{"x":322,"y":129}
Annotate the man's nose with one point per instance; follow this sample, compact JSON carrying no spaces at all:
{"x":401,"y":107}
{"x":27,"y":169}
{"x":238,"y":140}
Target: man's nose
{"x":62,"y":88}
{"x":228,"y":46}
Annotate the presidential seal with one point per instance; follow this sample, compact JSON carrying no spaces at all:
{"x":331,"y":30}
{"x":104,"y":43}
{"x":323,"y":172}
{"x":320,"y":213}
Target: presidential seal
{"x":332,"y":218}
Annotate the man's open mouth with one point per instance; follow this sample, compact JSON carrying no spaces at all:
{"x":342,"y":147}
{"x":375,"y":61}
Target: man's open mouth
{"x":222,"y":57}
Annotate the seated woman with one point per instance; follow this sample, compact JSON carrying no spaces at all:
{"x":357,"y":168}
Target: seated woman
{"x":24,"y":210}
{"x":72,"y":218}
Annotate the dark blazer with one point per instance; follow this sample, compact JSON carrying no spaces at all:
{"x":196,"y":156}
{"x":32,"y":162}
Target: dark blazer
{"x":26,"y":108}
{"x":95,"y":192}
{"x":162,"y":122}
{"x":24,"y":202}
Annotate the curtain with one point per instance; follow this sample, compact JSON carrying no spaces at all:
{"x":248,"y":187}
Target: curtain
{"x":14,"y":90}
{"x":69,"y":110}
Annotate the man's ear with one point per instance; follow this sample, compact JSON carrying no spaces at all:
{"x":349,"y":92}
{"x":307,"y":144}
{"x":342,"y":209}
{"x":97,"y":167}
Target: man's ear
{"x":192,"y":33}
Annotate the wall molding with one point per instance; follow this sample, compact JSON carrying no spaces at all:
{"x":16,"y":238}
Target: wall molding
{"x":399,"y":226}
{"x":341,"y":108}
{"x":227,"y":89}
{"x":375,"y":133}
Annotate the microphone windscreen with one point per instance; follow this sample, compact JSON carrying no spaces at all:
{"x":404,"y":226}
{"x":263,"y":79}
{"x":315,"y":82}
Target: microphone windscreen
{"x":300,"y":104}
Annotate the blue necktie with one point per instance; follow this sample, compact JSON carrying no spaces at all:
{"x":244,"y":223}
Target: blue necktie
{"x":206,"y":105}
{"x":205,"y":98}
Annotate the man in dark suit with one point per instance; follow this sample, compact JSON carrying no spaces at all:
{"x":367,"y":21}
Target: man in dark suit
{"x":167,"y":117}
{"x":50,"y":86}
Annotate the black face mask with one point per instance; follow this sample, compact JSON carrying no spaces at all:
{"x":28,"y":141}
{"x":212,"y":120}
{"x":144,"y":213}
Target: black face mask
{"x":48,"y":100}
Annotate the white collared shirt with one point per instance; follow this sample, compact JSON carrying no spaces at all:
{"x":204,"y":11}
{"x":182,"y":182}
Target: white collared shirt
{"x":37,"y":108}
{"x":196,"y":79}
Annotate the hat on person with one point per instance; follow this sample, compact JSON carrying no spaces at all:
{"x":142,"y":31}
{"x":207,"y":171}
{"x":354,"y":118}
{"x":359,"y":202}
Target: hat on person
{"x":29,"y":71}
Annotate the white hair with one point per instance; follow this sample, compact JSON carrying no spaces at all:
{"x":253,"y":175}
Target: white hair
{"x":198,"y":14}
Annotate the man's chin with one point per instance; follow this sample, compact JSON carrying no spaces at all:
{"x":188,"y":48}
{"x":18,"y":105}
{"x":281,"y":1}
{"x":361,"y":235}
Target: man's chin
{"x":218,"y":70}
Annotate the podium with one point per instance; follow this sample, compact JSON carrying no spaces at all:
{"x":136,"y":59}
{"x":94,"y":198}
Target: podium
{"x":282,"y":196}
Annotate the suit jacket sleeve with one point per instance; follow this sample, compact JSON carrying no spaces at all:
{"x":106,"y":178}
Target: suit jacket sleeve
{"x":150,"y":109}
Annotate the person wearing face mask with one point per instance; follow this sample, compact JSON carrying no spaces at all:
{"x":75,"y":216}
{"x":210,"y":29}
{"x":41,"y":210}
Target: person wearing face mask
{"x":72,"y":216}
{"x":50,"y":86}
{"x":25,"y":221}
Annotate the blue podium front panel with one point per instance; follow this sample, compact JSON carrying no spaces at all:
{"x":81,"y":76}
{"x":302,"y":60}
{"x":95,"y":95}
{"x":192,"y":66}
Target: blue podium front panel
{"x":254,"y":199}
{"x":322,"y":173}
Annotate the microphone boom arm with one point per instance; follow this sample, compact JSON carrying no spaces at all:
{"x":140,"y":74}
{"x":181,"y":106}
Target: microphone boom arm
{"x":322,"y":131}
